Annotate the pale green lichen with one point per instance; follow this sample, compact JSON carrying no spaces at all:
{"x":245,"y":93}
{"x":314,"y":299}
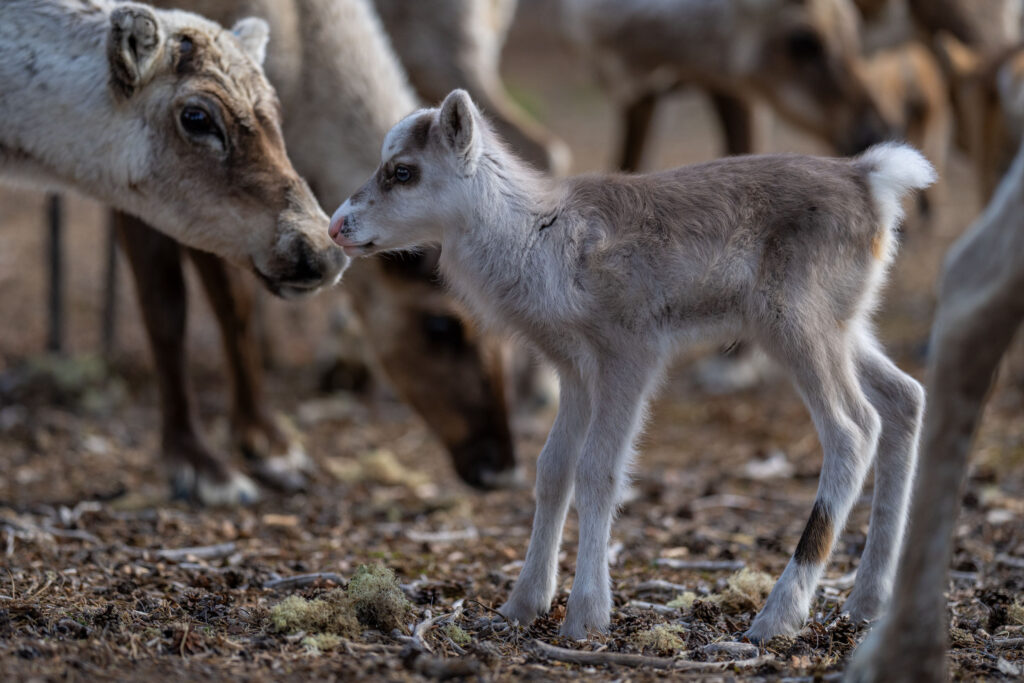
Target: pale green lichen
{"x":318,"y":643}
{"x":457,"y":634}
{"x":333,"y":613}
{"x":745,"y":591}
{"x":378,"y":599}
{"x":1015,"y":613}
{"x":664,"y":638}
{"x":684,"y":600}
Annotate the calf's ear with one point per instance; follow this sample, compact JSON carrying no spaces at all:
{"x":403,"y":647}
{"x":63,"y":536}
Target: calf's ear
{"x":253,"y":33}
{"x":461,"y":130}
{"x":134,"y":46}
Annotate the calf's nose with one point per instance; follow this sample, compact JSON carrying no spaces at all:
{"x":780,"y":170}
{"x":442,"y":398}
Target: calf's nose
{"x":336,"y":225}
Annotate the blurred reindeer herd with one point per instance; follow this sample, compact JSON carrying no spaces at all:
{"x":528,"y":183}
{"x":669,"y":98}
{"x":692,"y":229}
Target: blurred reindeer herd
{"x":935,"y":73}
{"x":234,"y":178}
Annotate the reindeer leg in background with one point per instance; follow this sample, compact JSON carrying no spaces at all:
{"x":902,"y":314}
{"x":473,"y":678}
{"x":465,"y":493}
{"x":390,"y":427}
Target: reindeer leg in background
{"x":155,"y":262}
{"x":636,"y":123}
{"x":737,"y":119}
{"x":437,"y":363}
{"x":472,"y":34}
{"x":980,"y":309}
{"x":55,"y":259}
{"x":277,"y":461}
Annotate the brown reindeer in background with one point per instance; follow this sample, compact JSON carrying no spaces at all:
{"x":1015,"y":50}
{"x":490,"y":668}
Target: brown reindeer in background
{"x":799,"y":56}
{"x":339,"y":83}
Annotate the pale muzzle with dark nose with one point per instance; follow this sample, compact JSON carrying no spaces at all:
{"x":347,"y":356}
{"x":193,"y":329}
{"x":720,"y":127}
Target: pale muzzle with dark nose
{"x":304,"y":260}
{"x":342,"y":232}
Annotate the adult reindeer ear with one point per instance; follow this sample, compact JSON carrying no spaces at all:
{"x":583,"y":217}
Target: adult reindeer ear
{"x":461,"y":130}
{"x":253,"y":33}
{"x":134,"y":47}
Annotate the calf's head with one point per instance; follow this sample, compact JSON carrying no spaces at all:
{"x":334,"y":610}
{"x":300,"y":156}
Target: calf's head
{"x":423,"y":184}
{"x":804,"y":57}
{"x":208,"y":164}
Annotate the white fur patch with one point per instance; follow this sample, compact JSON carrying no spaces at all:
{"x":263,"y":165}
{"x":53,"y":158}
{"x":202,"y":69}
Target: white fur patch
{"x":893,"y":170}
{"x":395,"y":139}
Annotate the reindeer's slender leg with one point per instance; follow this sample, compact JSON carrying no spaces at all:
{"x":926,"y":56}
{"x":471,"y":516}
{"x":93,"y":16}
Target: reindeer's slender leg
{"x":619,"y":397}
{"x":55,"y":221}
{"x":899,"y":400}
{"x":556,"y":470}
{"x":848,"y":427}
{"x":636,"y":123}
{"x":277,"y":461}
{"x":980,"y":308}
{"x":155,"y":262}
{"x":737,"y":119}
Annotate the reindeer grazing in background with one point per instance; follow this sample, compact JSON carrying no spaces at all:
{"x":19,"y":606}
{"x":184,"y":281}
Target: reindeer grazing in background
{"x":988,"y":96}
{"x":164,"y":115}
{"x":339,"y":82}
{"x":606,"y":275}
{"x":799,"y":56}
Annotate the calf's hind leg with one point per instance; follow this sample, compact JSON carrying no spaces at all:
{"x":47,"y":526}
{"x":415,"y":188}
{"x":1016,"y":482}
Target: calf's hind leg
{"x":899,"y":400}
{"x":980,"y":309}
{"x":848,"y":427}
{"x":196,"y":472}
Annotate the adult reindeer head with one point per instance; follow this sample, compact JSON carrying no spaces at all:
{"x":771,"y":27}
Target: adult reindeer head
{"x":803,"y":56}
{"x":207,"y":161}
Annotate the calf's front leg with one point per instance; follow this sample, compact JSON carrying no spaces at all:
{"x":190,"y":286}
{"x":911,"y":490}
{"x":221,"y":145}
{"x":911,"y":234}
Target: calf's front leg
{"x":618,"y":401}
{"x":556,"y":468}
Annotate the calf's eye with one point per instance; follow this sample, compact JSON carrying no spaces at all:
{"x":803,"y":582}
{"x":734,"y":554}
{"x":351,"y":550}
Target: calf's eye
{"x":403,"y":174}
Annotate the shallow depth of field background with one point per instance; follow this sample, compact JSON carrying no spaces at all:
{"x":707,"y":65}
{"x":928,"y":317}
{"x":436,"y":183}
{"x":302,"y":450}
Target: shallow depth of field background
{"x":385,"y":487}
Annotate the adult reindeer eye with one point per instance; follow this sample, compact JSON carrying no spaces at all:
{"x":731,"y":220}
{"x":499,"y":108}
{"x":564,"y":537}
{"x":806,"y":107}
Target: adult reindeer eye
{"x":805,"y":46}
{"x":403,"y":174}
{"x":198,"y":122}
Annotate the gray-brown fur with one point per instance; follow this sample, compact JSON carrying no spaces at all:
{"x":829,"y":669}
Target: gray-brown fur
{"x":337,"y":80}
{"x":606,"y":275}
{"x":95,"y":98}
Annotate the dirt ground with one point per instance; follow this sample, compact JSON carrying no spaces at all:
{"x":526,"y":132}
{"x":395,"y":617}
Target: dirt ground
{"x":94,"y":583}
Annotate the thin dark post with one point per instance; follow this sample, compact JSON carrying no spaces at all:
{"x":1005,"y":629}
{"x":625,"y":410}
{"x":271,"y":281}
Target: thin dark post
{"x":109,"y":322}
{"x":54,"y":213}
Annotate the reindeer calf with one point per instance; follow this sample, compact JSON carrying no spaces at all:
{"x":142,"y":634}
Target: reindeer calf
{"x":607,"y":274}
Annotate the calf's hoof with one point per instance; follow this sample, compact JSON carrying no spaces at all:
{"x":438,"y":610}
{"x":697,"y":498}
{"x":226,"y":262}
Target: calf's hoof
{"x":525,"y":606}
{"x":774,"y":622}
{"x":586,"y":614}
{"x":863,"y":606}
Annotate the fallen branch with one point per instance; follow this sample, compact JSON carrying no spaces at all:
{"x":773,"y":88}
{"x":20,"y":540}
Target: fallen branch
{"x":467,"y":534}
{"x":701,"y":565}
{"x":653,"y":606}
{"x":731,"y":649}
{"x":303,"y":580}
{"x":562,"y":654}
{"x":659,"y":586}
{"x":1010,"y":561}
{"x":1003,"y":643}
{"x":202,"y":552}
{"x":417,"y":639}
